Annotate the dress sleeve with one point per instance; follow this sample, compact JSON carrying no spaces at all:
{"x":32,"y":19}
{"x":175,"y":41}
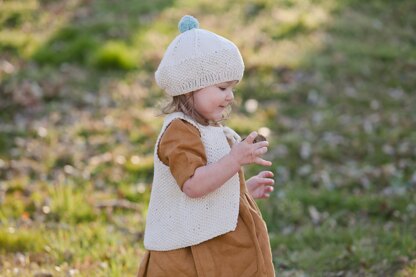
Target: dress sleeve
{"x":182,"y":150}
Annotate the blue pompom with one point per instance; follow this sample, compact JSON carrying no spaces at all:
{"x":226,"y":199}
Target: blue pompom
{"x":187,"y":23}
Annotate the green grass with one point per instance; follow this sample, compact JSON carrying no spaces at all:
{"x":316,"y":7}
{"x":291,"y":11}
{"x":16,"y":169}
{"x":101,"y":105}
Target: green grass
{"x":21,"y":240}
{"x":334,"y":81}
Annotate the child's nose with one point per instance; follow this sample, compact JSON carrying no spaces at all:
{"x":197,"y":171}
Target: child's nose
{"x":230,"y":95}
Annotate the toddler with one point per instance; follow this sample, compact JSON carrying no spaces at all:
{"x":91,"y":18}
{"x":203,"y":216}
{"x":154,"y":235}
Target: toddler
{"x":202,"y":218}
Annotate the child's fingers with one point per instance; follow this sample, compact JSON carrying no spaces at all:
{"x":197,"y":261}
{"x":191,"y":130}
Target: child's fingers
{"x":267,"y":191}
{"x":266,"y":174}
{"x":267,"y":181}
{"x":260,"y":161}
{"x":263,"y":182}
{"x":261,"y":143}
{"x":250,"y":138}
{"x":260,"y":151}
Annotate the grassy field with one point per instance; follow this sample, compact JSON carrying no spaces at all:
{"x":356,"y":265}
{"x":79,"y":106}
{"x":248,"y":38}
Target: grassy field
{"x":332,"y":82}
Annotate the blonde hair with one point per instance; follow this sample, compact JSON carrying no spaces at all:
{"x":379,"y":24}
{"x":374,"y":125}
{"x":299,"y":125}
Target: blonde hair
{"x":184,"y":103}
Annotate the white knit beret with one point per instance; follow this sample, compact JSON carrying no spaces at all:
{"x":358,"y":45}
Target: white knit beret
{"x":197,"y":58}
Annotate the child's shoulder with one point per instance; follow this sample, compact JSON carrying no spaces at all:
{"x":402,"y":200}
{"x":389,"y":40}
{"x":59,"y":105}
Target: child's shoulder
{"x":182,"y":127}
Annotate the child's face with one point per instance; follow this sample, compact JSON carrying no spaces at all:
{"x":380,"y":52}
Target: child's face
{"x":211,"y":101}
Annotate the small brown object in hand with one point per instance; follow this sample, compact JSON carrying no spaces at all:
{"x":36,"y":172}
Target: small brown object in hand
{"x":258,"y":138}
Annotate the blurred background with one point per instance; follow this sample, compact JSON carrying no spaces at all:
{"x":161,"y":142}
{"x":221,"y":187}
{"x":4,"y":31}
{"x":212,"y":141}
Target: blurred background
{"x":331,"y":83}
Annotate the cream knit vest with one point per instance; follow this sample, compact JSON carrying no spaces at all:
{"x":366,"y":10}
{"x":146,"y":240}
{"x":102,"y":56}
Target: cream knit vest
{"x":175,"y":220}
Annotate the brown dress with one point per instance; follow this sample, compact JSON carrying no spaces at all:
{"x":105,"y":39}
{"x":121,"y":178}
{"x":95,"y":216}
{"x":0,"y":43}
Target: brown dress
{"x":242,"y":252}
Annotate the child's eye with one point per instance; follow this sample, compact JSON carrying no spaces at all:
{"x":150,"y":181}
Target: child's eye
{"x":222,"y":89}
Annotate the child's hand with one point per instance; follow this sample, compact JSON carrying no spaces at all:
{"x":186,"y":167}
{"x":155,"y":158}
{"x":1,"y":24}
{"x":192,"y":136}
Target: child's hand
{"x":261,"y":185}
{"x":247,"y":152}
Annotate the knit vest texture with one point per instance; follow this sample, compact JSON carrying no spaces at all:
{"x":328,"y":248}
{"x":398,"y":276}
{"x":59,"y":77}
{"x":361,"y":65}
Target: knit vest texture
{"x":175,"y":220}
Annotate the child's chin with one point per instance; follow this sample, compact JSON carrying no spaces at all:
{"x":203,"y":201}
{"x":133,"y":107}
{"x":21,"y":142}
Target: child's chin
{"x":217,"y":117}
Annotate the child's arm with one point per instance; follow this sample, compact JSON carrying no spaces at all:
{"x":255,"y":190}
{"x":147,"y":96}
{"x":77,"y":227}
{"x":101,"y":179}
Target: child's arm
{"x":210,"y":177}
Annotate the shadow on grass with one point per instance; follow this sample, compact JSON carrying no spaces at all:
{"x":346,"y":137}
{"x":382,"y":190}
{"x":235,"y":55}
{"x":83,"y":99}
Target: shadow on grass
{"x":94,"y":41}
{"x":99,"y":36}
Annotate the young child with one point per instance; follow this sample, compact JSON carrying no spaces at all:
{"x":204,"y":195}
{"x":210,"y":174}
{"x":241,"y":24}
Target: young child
{"x":202,"y":219}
